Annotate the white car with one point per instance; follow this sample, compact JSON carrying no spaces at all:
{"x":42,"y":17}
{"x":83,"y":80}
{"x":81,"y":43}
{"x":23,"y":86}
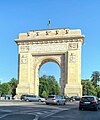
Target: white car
{"x":55,"y":99}
{"x":34,"y":98}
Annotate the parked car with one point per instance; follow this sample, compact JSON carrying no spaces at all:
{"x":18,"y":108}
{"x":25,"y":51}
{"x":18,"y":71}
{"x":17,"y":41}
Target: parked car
{"x":32,"y":98}
{"x":40,"y":99}
{"x":22,"y":97}
{"x":89,"y":102}
{"x":66,"y":98}
{"x":8,"y":97}
{"x":73,"y":98}
{"x":55,"y":99}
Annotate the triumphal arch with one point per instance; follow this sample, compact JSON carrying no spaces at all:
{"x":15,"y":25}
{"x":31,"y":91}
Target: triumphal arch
{"x":62,"y":46}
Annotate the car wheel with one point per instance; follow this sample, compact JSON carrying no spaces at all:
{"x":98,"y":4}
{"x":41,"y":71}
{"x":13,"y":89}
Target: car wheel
{"x":96,"y":108}
{"x":47,"y":103}
{"x":64,"y":103}
{"x":27,"y":100}
{"x":39,"y":100}
{"x":80,"y":108}
{"x":58,"y":103}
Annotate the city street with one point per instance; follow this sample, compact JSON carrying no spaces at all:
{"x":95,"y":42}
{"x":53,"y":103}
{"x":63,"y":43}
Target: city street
{"x":19,"y":110}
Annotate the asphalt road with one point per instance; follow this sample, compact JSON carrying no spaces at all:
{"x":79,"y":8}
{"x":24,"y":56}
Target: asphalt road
{"x":18,"y":110}
{"x":74,"y":114}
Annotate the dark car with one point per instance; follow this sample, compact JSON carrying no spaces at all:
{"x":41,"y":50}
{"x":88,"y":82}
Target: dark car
{"x":89,"y":102}
{"x":73,"y":98}
{"x":67,"y":99}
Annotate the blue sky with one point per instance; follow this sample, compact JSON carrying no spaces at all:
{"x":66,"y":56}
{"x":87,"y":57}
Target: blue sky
{"x":20,"y":16}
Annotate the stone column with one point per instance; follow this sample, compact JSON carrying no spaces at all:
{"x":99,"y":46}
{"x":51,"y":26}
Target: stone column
{"x":73,"y":81}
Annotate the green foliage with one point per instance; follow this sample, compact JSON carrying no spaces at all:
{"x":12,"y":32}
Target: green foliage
{"x":95,"y":77}
{"x":98,"y":91}
{"x":13,"y":84}
{"x":91,"y":87}
{"x":0,"y":89}
{"x":44,"y":94}
{"x":9,"y":87}
{"x":43,"y":85}
{"x":5,"y":89}
{"x":49,"y":85}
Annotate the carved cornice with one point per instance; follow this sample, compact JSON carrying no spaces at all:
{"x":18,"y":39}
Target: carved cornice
{"x":30,"y":42}
{"x":50,"y":36}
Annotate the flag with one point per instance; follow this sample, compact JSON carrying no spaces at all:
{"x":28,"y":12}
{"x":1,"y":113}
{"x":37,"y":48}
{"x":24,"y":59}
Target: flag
{"x":48,"y":23}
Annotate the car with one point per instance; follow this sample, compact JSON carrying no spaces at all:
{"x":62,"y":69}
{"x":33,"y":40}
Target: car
{"x":40,"y":99}
{"x":89,"y":102}
{"x":32,"y":98}
{"x":55,"y":99}
{"x":22,"y":96}
{"x":8,"y":97}
{"x":67,"y":99}
{"x":73,"y":98}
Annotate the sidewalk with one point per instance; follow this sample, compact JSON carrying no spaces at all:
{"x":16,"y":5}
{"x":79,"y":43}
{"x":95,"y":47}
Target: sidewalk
{"x":13,"y":102}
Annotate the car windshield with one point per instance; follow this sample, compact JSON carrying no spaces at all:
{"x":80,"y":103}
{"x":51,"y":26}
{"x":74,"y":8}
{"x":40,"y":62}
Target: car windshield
{"x":51,"y":96}
{"x":87,"y":98}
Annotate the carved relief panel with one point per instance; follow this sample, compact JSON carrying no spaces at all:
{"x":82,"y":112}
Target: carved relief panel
{"x":72,"y":57}
{"x":43,"y":48}
{"x":23,"y":59}
{"x":72,"y":46}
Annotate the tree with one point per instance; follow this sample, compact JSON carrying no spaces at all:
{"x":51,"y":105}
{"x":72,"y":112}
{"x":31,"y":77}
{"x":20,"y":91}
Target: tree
{"x":5,"y":88}
{"x":53,"y":86}
{"x":0,"y":89}
{"x":13,"y":84}
{"x":98,"y":91}
{"x":49,"y":85}
{"x":44,"y":94}
{"x":95,"y":77}
{"x":43,"y":85}
{"x":88,"y":88}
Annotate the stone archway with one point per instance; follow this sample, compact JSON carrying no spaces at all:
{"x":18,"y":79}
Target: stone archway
{"x":62,"y":46}
{"x":48,"y":58}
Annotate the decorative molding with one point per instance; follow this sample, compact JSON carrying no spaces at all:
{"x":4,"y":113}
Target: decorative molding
{"x":47,"y":41}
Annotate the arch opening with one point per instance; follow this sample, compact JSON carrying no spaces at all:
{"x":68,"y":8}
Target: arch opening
{"x":51,"y":70}
{"x":45,"y":69}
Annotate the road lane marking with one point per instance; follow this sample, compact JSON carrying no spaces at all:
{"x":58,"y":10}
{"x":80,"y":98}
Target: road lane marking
{"x":53,"y":113}
{"x":36,"y":117}
{"x":3,"y":110}
{"x":4,"y":116}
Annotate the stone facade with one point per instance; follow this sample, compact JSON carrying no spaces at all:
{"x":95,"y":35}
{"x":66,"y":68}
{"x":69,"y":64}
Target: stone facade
{"x":62,"y":46}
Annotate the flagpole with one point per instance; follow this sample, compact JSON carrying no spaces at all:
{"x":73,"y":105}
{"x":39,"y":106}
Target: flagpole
{"x":48,"y":24}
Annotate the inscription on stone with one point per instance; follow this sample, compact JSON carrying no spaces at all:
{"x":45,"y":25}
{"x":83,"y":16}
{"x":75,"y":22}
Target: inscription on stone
{"x":49,"y":48}
{"x":73,"y":46}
